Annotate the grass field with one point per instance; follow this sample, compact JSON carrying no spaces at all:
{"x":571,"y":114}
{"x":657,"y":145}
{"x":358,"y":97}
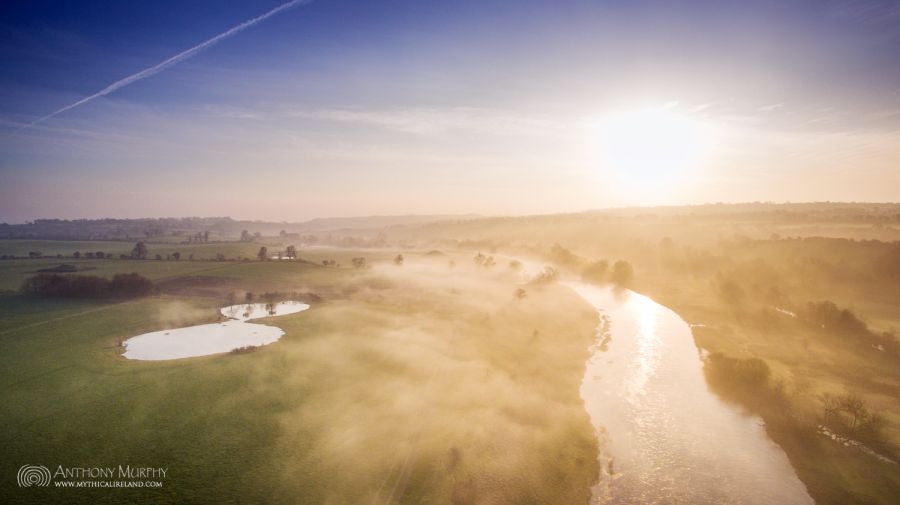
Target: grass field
{"x":413,"y":384}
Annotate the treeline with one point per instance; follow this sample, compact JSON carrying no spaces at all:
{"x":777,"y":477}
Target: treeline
{"x":597,"y":271}
{"x":130,"y":285}
{"x":269,"y":297}
{"x":115,"y":229}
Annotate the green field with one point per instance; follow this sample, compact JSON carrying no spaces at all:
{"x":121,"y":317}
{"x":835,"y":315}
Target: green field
{"x":200,"y":251}
{"x":413,"y":384}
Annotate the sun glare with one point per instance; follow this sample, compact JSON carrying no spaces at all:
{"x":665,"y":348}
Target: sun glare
{"x":653,"y":147}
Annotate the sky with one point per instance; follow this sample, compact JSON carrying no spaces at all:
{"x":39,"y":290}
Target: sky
{"x":341,"y":108}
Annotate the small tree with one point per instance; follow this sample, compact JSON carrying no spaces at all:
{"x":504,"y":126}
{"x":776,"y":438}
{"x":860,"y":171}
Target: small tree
{"x":176,"y":255}
{"x":99,"y":255}
{"x":291,"y":252}
{"x":398,"y":260}
{"x":263,"y":253}
{"x":219,"y":257}
{"x":76,"y":254}
{"x":359,"y":263}
{"x":139,"y":251}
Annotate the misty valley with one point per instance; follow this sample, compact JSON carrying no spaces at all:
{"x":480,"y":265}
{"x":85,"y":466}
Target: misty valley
{"x":519,"y":360}
{"x":344,"y":252}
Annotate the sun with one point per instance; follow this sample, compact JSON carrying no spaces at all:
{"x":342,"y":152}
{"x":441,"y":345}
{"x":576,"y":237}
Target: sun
{"x":653,"y":148}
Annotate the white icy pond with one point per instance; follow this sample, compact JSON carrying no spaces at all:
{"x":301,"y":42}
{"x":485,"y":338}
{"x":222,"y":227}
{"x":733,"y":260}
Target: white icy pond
{"x":213,"y":338}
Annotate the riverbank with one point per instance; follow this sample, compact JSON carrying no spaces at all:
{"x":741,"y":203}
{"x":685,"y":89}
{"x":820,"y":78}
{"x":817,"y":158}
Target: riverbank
{"x":665,"y":438}
{"x":788,"y":400}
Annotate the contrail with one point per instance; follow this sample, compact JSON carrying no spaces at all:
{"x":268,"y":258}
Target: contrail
{"x":147,"y":72}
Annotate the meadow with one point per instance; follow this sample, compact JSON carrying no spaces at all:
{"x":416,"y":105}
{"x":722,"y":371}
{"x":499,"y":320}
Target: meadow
{"x":417,"y":383}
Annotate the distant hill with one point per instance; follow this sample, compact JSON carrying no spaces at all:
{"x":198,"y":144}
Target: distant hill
{"x":373,"y":222}
{"x":203,"y":229}
{"x":867,"y":220}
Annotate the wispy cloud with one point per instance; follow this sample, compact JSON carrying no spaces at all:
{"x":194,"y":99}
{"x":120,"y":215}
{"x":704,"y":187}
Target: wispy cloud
{"x":147,"y":72}
{"x":432,"y":121}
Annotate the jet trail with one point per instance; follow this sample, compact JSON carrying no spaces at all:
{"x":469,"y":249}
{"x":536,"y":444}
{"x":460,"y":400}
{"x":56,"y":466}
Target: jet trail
{"x":147,"y":72}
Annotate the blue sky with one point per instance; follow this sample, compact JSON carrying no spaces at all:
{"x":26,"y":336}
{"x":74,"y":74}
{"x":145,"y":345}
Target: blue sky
{"x":343,"y":108}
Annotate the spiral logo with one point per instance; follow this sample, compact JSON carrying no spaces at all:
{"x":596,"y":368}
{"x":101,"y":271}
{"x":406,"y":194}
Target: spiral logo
{"x":33,"y":475}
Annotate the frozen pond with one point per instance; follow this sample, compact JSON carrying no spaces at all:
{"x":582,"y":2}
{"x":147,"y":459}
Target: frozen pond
{"x":213,"y":338}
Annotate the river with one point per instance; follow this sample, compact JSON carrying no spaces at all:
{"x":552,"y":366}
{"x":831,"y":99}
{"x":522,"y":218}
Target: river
{"x":665,"y":438}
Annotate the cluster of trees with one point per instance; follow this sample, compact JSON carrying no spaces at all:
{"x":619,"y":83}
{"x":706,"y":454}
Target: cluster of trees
{"x":87,"y":286}
{"x":270,"y":297}
{"x":546,"y":276}
{"x":289,"y":252}
{"x":598,"y":272}
{"x":199,"y":237}
{"x":484,"y":261}
{"x":247,"y":237}
{"x":92,"y":255}
{"x":825,"y":317}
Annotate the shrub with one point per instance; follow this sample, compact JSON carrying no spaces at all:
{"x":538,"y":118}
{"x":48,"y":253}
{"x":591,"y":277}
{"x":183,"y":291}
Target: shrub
{"x":745,"y":373}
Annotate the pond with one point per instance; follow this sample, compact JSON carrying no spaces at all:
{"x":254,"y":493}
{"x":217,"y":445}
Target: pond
{"x":213,"y":338}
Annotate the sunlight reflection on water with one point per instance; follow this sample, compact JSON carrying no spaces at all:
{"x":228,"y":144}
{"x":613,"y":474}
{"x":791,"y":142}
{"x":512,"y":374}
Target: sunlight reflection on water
{"x":664,"y":437}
